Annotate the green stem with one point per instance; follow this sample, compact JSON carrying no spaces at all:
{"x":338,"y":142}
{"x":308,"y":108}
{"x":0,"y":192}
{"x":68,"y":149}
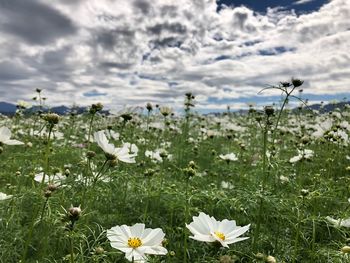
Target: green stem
{"x":44,"y":208}
{"x":47,"y":154}
{"x":261,"y":201}
{"x":90,"y":130}
{"x":186,"y":218}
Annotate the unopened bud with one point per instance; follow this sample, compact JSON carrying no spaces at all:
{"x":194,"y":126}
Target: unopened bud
{"x":270,"y":259}
{"x":297,"y":82}
{"x":74,"y":213}
{"x":52,"y":118}
{"x":269,"y":110}
{"x":345,"y":249}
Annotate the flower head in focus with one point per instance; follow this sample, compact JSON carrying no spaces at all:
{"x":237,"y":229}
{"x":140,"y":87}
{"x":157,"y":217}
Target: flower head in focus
{"x":136,"y":241}
{"x":208,"y":229}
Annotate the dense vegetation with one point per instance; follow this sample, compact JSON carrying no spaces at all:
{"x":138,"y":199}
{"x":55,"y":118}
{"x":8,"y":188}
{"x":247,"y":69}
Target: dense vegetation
{"x":286,"y":174}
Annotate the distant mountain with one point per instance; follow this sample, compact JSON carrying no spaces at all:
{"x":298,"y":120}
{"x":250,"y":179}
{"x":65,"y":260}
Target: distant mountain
{"x":10,"y":109}
{"x":7,"y":108}
{"x":329,"y":107}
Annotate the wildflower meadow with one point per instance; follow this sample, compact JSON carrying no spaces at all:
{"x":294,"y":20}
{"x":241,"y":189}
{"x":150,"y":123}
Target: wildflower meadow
{"x":159,"y":185}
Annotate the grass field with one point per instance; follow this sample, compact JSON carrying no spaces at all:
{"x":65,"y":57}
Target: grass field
{"x":65,"y":187}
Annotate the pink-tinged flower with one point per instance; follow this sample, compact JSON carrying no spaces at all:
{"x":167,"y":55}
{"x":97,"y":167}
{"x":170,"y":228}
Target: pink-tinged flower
{"x":208,"y":229}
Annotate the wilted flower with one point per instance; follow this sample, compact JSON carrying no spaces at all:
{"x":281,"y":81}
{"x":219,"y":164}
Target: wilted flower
{"x":5,"y":135}
{"x":136,"y":241}
{"x":208,"y":229}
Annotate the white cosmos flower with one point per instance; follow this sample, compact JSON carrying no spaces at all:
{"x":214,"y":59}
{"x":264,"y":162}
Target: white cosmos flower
{"x":4,"y":196}
{"x":5,"y":135}
{"x":126,"y":154}
{"x":136,"y":241}
{"x":55,"y":179}
{"x":304,"y":154}
{"x":339,"y":222}
{"x":228,"y":157}
{"x":208,"y":229}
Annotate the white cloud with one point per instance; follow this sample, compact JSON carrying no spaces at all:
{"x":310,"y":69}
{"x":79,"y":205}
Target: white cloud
{"x":300,"y":2}
{"x":136,"y":51}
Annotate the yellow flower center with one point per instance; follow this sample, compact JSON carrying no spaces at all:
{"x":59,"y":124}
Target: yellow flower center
{"x":134,"y":242}
{"x":220,"y":235}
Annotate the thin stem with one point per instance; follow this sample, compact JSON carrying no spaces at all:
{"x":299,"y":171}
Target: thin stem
{"x":90,"y":130}
{"x":186,"y":218}
{"x":44,"y":208}
{"x":47,"y":153}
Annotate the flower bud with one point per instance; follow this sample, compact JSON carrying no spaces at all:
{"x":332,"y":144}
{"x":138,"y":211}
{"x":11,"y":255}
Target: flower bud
{"x":345,"y":249}
{"x":99,"y":250}
{"x":270,"y":259}
{"x":47,"y":193}
{"x":297,"y":82}
{"x":90,"y":154}
{"x":269,"y":110}
{"x":74,"y":213}
{"x":52,"y":118}
{"x":95,"y":108}
{"x":149,"y":106}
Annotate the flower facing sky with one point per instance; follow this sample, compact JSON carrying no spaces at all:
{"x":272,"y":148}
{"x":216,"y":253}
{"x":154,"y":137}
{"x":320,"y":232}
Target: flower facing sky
{"x":136,"y":241}
{"x":208,"y":229}
{"x":126,"y":154}
{"x":5,"y":135}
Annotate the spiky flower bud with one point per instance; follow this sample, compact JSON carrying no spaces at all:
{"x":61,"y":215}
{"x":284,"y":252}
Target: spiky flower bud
{"x":95,"y":108}
{"x":297,"y":82}
{"x":52,"y":118}
{"x":47,"y":193}
{"x":149,"y":106}
{"x":74,"y":213}
{"x":99,"y":250}
{"x":269,"y":110}
{"x":285,"y":84}
{"x":149,"y":172}
{"x":52,"y":187}
{"x":90,"y":154}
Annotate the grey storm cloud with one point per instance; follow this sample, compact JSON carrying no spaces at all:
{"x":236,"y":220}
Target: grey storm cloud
{"x":33,"y":21}
{"x":10,"y":70}
{"x":133,"y":49}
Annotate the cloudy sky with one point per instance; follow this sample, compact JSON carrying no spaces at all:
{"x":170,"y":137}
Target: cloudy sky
{"x":129,"y":52}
